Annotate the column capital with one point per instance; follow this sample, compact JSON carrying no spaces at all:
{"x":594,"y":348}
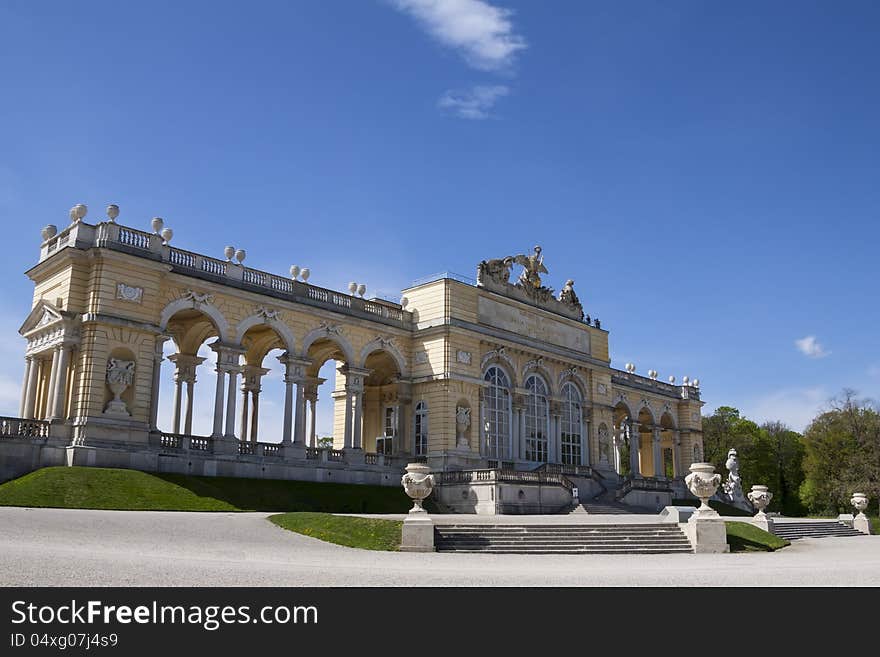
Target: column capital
{"x":228,"y":357}
{"x":354,"y":378}
{"x":294,"y":367}
{"x":658,"y":432}
{"x":252,"y":378}
{"x":185,"y":367}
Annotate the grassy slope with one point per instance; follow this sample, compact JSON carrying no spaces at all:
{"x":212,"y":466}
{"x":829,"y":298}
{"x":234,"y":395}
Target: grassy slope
{"x":365,"y":533}
{"x":107,"y":488}
{"x":721,"y":507}
{"x":744,"y":537}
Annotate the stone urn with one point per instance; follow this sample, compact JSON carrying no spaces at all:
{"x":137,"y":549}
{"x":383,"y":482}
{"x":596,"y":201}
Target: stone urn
{"x":49,"y":232}
{"x":703,"y":481}
{"x":760,"y":497}
{"x":860,"y":502}
{"x":120,"y":374}
{"x":418,"y":482}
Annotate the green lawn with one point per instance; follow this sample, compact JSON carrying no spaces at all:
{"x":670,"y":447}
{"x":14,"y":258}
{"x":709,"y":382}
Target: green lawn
{"x":109,"y":488}
{"x":744,"y":537}
{"x":365,"y":533}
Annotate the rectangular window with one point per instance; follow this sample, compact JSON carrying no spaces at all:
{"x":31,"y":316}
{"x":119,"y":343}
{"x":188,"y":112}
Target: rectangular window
{"x":385,"y":442}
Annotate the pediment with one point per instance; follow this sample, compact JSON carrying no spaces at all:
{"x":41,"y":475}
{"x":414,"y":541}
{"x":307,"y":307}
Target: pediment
{"x":43,"y":314}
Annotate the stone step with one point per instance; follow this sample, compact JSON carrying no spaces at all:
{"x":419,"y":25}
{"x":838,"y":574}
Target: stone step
{"x":562,"y":539}
{"x":795,"y":530}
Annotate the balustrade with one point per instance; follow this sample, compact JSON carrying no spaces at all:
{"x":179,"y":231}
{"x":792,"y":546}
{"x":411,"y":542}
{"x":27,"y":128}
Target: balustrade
{"x":14,"y":427}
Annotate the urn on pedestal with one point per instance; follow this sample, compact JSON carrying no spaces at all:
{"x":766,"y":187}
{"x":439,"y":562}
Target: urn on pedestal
{"x":861,"y":522}
{"x":120,"y":374}
{"x":418,"y":482}
{"x":760,"y":497}
{"x":703,"y":482}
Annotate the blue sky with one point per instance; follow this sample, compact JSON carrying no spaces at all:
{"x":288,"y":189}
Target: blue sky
{"x":706,"y":172}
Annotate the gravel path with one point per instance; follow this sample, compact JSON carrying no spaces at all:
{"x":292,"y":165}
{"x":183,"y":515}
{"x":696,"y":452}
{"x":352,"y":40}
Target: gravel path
{"x":46,"y":547}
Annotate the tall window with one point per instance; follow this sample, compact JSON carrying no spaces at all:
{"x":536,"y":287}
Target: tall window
{"x":421,"y":433}
{"x":496,"y":430}
{"x":536,"y":420}
{"x":385,"y":442}
{"x":570,"y":431}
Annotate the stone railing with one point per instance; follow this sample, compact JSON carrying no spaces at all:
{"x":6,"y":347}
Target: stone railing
{"x":151,"y":245}
{"x":16,"y":427}
{"x":566,"y":469}
{"x":270,"y":449}
{"x":182,"y":441}
{"x":660,"y":484}
{"x":313,"y":453}
{"x":505,"y":476}
{"x":661,"y":387}
{"x":246,"y":449}
{"x":371,"y":459}
{"x":335,"y":455}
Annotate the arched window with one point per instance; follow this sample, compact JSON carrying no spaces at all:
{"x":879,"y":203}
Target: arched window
{"x":570,"y":431}
{"x":421,"y":430}
{"x":496,"y":430}
{"x":536,"y":420}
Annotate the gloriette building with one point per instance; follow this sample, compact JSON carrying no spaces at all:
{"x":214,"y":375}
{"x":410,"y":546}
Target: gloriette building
{"x":502,"y":386}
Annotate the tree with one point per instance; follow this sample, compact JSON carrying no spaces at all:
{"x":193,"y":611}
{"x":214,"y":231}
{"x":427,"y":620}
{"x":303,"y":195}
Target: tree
{"x":842,"y":454}
{"x":325,"y":442}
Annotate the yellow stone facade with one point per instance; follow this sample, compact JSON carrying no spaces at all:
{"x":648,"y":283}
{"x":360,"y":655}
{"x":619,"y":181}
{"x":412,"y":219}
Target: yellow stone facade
{"x":108,"y":297}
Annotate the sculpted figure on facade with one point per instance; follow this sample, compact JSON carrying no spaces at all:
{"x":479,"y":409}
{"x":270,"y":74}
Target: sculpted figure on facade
{"x":495,"y":271}
{"x":569,"y":298}
{"x":462,"y":422}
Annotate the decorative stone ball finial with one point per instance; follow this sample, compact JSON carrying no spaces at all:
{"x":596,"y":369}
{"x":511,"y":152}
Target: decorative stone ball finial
{"x":294,"y":271}
{"x":653,"y":374}
{"x":78,"y":212}
{"x":404,"y":302}
{"x":49,"y":232}
{"x":671,"y":379}
{"x":362,"y":290}
{"x":112,"y":212}
{"x":418,"y":484}
{"x":240,"y":255}
{"x":685,"y":379}
{"x":760,"y":497}
{"x":353,"y":287}
{"x":703,"y":481}
{"x":305,"y":272}
{"x":157,"y":223}
{"x":696,"y":383}
{"x":167,"y":234}
{"x":229,"y":251}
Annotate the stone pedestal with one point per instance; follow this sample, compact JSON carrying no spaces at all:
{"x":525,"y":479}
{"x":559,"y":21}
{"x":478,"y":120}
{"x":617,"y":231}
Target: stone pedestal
{"x":763,"y":521}
{"x":354,"y":456}
{"x":862,"y":524}
{"x":707,"y":533}
{"x":294,"y":452}
{"x":418,"y":533}
{"x":846,"y":519}
{"x":226,"y":446}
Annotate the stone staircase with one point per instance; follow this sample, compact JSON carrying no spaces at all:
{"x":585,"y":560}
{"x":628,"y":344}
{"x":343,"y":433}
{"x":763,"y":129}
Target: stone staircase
{"x":813,"y":529}
{"x":605,"y":507}
{"x":658,"y":538}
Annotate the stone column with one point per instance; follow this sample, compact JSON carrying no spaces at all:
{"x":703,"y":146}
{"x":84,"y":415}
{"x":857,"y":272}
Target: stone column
{"x":188,"y":421}
{"x":28,"y":365}
{"x":676,"y":454}
{"x":178,"y":400}
{"x":255,"y":416}
{"x":218,"y":403}
{"x":554,"y":442}
{"x":313,"y":409}
{"x":30,"y":404}
{"x":299,"y":432}
{"x":347,"y":442}
{"x":230,"y":403}
{"x":287,"y":429}
{"x":60,"y":391}
{"x":357,"y":427}
{"x":659,"y":466}
{"x":245,"y":394}
{"x":635,"y":443}
{"x":404,"y":419}
{"x":158,"y":357}
{"x":585,"y":441}
{"x":53,"y":377}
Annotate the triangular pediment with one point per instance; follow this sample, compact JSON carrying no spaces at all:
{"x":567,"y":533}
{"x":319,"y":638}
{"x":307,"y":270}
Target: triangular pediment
{"x":42,"y":315}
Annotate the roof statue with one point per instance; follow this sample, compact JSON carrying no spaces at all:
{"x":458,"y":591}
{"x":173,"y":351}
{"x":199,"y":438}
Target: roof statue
{"x":494,"y":274}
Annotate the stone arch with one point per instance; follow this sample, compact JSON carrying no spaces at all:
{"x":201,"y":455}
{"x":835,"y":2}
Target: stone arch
{"x":382,"y":344}
{"x":501,"y":359}
{"x":540,"y":370}
{"x":333,"y":335}
{"x":667,"y":420}
{"x":620,"y":400}
{"x":192,"y":303}
{"x":282,"y":329}
{"x":644,"y":405}
{"x":568,"y":376}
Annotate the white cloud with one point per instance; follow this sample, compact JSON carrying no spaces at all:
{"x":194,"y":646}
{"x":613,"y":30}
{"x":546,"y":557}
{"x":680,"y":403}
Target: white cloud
{"x":796,"y":407}
{"x":809,"y":346}
{"x":481,"y":33}
{"x":475,"y":103}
